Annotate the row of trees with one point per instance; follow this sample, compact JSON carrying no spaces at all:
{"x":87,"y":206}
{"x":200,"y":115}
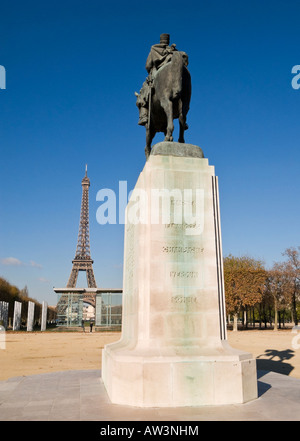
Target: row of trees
{"x":264,"y":296}
{"x":10,"y":293}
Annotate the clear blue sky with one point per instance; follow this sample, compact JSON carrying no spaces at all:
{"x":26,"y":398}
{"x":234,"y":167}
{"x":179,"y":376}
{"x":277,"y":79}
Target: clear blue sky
{"x":72,"y":68}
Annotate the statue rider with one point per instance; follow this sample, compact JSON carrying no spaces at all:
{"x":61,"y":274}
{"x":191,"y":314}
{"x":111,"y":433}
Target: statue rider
{"x":160,"y":54}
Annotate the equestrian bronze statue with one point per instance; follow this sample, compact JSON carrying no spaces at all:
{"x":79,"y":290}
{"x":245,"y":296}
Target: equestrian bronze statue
{"x":166,"y":93}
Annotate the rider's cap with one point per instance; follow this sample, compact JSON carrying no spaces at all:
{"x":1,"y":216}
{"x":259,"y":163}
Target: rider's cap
{"x":165,"y":38}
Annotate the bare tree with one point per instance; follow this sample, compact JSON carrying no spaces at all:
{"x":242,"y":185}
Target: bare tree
{"x":279,"y":285}
{"x":292,"y":267}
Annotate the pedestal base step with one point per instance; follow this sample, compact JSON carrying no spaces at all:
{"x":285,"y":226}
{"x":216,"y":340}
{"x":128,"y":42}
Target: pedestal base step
{"x":151,"y":382}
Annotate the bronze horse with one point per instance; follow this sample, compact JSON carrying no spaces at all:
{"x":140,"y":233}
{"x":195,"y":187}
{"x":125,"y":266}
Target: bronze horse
{"x":169,"y":99}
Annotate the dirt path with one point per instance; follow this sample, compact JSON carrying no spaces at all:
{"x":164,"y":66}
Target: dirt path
{"x":39,"y":352}
{"x":273,"y":350}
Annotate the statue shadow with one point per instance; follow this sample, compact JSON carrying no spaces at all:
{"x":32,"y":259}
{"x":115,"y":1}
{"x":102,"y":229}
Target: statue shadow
{"x":273,"y":361}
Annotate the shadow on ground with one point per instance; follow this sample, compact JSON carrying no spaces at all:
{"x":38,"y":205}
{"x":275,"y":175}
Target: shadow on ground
{"x":275,"y":361}
{"x":261,"y":386}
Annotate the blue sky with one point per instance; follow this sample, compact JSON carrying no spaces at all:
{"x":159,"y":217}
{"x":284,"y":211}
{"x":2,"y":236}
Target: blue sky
{"x":72,"y":68}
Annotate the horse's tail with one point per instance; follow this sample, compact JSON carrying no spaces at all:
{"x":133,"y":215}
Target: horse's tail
{"x":177,"y":69}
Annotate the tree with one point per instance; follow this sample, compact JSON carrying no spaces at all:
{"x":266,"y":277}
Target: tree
{"x":10,"y":293}
{"x":292,"y":267}
{"x":265,"y":306}
{"x":24,"y":292}
{"x":244,"y":279}
{"x":279,"y":285}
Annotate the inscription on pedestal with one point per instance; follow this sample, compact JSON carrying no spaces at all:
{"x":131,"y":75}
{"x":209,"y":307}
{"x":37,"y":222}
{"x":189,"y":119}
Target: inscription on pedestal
{"x":182,"y":249}
{"x":184,"y":274}
{"x":183,"y":299}
{"x":181,"y":226}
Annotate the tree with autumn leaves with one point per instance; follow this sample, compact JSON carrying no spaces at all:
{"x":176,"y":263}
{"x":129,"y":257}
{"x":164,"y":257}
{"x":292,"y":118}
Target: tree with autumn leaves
{"x":248,"y":285}
{"x":244,"y":279}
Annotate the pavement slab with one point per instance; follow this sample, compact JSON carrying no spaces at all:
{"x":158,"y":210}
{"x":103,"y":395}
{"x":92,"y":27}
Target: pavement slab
{"x":80,"y":395}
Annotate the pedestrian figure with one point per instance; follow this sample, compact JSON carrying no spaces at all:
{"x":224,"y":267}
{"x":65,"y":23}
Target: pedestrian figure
{"x":82,"y":324}
{"x":91,"y":326}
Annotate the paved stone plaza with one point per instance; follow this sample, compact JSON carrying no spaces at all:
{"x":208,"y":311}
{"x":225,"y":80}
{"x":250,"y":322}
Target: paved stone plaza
{"x":81,"y":396}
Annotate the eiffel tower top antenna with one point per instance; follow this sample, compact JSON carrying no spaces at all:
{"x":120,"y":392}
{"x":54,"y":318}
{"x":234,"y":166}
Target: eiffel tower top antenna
{"x":83,"y":260}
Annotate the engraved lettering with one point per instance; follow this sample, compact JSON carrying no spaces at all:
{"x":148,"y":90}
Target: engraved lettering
{"x":184,"y":274}
{"x":182,"y":249}
{"x":183,"y":299}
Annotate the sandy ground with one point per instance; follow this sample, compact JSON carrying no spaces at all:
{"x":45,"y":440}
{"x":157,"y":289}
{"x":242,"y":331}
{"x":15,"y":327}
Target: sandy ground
{"x":41,"y":352}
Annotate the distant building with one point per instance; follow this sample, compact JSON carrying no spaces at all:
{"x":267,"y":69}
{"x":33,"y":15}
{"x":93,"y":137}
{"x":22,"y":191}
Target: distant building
{"x":88,"y":312}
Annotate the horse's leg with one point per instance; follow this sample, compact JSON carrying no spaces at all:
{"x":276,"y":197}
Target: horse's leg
{"x":148,"y":144}
{"x":149,"y":136}
{"x":167,"y":105}
{"x":147,"y":152}
{"x":181,"y":129}
{"x":182,"y":122}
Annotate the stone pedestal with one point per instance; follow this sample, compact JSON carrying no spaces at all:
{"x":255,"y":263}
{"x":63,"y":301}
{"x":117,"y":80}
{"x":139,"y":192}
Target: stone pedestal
{"x":174,"y":350}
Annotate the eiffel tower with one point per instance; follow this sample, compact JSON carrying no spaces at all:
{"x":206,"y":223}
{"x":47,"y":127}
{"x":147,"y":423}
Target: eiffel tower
{"x":71,"y":299}
{"x":83,"y":260}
